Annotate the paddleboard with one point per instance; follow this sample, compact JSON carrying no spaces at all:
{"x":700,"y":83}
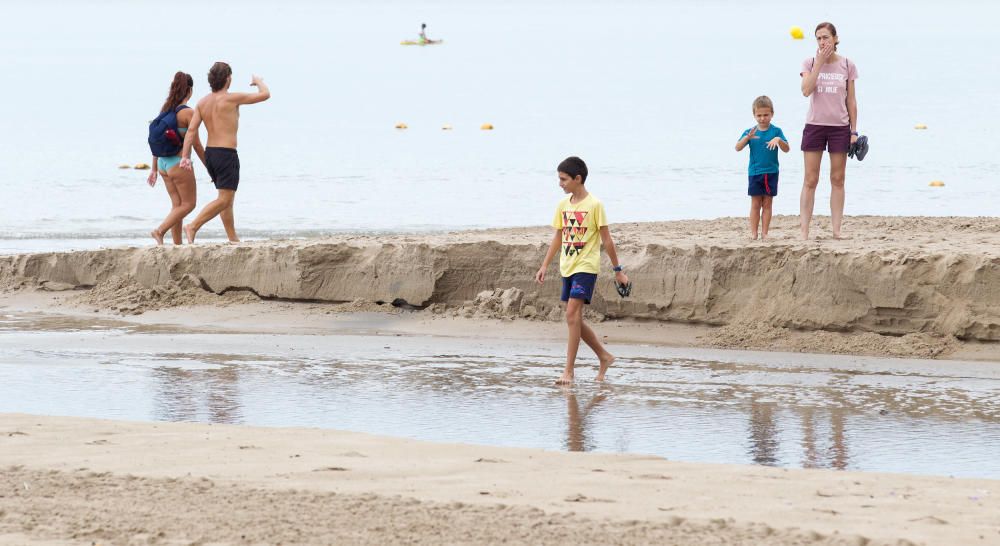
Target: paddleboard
{"x":419,"y":43}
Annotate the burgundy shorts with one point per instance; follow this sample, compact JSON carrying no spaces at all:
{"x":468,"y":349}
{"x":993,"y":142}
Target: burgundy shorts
{"x":816,"y":138}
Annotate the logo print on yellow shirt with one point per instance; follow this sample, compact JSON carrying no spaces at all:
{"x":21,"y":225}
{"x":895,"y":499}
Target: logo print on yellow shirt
{"x":573,"y":231}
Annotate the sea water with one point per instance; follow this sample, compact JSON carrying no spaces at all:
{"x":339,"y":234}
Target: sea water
{"x":653,"y":95}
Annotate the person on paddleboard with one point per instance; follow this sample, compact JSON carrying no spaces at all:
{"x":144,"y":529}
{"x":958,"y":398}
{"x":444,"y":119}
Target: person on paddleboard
{"x":423,"y":35}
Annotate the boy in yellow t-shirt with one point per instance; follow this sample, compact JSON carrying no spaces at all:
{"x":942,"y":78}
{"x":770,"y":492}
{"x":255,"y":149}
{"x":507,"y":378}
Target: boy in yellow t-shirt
{"x":580,"y":227}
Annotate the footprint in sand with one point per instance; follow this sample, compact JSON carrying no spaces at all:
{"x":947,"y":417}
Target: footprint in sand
{"x":485,"y":460}
{"x":931,"y":519}
{"x":330,"y":469}
{"x":579,"y":497}
{"x":651,"y":477}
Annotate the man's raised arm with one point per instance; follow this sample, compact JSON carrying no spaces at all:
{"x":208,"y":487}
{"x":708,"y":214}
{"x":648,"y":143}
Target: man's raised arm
{"x":262,"y":94}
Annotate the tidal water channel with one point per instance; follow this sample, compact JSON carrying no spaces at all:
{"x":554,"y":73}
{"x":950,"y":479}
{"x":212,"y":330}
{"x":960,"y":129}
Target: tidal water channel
{"x":789,"y":410}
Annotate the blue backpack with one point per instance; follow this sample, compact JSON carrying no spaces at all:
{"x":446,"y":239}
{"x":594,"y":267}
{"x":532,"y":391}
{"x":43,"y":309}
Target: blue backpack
{"x":164,"y":137}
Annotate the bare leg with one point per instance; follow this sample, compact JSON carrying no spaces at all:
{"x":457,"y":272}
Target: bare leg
{"x":211,"y":210}
{"x":808,"y":197}
{"x":574,"y":323}
{"x":181,"y":187}
{"x":175,"y":199}
{"x":755,"y":202}
{"x":838,"y":168}
{"x":592,"y":341}
{"x":574,"y":432}
{"x":765,"y":215}
{"x":229,"y":223}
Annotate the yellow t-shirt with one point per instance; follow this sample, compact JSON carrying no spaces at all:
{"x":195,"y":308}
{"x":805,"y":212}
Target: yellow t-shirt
{"x":581,"y":235}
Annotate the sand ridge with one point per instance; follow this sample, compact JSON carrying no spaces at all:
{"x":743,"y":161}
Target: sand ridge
{"x":918,"y":284}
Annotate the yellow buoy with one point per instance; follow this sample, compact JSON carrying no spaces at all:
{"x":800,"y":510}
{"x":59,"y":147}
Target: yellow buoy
{"x":401,"y":126}
{"x":920,"y":126}
{"x":486,"y":127}
{"x":124,"y":166}
{"x":446,"y":127}
{"x":141,"y":166}
{"x":796,"y":33}
{"x":936,"y":184}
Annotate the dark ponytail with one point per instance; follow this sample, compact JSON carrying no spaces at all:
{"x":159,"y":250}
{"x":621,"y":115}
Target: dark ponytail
{"x":179,"y":89}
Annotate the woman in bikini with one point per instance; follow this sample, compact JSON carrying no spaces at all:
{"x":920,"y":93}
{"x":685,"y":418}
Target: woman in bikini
{"x":179,"y":182}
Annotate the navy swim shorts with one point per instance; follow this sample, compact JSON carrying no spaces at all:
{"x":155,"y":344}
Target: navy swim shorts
{"x":763,"y":184}
{"x":579,"y":286}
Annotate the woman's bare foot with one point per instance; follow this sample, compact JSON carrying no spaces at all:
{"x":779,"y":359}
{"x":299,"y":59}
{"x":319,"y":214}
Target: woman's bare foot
{"x":606,"y":363}
{"x":235,"y":241}
{"x":566,"y":379}
{"x":189,"y":233}
{"x":157,"y":236}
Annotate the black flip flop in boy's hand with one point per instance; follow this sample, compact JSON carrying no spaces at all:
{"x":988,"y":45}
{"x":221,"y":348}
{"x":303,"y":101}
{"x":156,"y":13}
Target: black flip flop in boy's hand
{"x":622,"y":284}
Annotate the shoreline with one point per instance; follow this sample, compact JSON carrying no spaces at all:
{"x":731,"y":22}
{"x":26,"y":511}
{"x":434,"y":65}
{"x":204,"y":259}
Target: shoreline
{"x":99,"y":480}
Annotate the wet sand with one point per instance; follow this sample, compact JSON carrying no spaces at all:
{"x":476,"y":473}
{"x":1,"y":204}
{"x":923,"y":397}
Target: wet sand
{"x":122,"y":482}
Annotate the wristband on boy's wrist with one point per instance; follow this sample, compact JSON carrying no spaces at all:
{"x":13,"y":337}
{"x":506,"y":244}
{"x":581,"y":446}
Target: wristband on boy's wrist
{"x":616,"y":268}
{"x":854,"y":133}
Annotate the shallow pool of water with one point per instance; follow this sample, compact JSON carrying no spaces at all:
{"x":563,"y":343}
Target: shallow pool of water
{"x":927,"y":417}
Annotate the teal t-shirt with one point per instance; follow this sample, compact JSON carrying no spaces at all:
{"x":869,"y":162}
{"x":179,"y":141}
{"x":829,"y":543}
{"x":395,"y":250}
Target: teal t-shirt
{"x":762,"y":160}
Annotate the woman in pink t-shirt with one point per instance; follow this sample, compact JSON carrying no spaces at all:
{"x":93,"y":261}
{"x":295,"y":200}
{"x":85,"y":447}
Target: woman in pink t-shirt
{"x":832,"y":124}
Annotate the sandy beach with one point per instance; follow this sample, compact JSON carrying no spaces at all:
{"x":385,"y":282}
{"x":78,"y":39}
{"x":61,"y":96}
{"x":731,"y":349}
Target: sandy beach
{"x":232,"y":317}
{"x":889,"y":290}
{"x":73,"y":481}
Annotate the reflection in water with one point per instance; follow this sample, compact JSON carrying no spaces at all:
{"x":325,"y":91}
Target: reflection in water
{"x":576,"y":420}
{"x":181,"y":394}
{"x":837,"y":454}
{"x":838,"y":457}
{"x":763,"y":433}
{"x":810,"y":455}
{"x":173,"y":399}
{"x":765,"y":442}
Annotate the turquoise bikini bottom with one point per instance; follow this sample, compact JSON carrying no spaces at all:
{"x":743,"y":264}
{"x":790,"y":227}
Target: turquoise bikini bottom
{"x":167,"y":163}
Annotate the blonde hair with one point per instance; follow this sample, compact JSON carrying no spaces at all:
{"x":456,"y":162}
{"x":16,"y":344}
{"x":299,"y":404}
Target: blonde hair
{"x":763,"y":101}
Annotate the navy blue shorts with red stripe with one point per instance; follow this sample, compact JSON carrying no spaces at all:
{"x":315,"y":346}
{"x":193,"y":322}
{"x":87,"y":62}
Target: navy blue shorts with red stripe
{"x":763,"y":184}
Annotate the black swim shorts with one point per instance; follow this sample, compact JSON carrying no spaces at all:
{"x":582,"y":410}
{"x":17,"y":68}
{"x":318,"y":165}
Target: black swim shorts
{"x":223,"y":166}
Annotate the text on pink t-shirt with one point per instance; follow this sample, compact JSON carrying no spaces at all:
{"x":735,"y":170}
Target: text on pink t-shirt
{"x":828,"y":103}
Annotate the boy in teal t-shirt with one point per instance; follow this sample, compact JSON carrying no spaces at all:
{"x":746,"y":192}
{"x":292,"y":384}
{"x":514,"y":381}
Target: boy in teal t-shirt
{"x":764,"y":140}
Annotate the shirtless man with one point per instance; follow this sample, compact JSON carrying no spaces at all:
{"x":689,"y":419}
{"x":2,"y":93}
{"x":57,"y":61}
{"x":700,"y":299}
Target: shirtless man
{"x":221,"y":112}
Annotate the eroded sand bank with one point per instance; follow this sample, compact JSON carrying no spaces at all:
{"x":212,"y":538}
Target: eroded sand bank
{"x":925,"y":282}
{"x":119,"y":482}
